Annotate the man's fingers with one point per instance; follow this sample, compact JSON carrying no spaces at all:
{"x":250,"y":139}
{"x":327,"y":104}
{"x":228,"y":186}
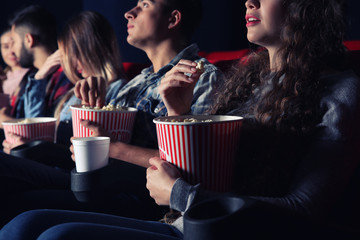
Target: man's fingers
{"x":186,"y":66}
{"x":88,"y":124}
{"x":94,"y":127}
{"x":187,"y":62}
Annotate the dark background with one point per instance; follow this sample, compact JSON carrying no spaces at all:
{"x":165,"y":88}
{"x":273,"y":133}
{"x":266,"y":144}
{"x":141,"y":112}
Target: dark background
{"x":222,"y":27}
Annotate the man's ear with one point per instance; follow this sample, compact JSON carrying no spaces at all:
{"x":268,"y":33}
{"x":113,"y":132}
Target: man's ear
{"x":29,"y":40}
{"x":174,"y":19}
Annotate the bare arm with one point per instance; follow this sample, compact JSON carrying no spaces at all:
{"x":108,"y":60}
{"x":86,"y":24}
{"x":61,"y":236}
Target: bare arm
{"x":132,"y":154}
{"x":122,"y":151}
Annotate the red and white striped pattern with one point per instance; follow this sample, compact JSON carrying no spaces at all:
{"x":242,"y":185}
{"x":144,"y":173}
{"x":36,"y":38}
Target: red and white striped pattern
{"x":204,"y":153}
{"x":32,"y":131}
{"x":120,"y":124}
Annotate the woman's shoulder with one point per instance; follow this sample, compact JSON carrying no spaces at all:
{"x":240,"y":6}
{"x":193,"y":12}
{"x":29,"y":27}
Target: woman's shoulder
{"x":346,"y":77}
{"x":340,"y":102}
{"x":114,"y":88}
{"x":117,"y":84}
{"x":342,"y":85}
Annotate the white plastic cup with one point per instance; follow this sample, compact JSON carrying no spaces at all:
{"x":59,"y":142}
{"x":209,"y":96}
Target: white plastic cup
{"x":91,"y":153}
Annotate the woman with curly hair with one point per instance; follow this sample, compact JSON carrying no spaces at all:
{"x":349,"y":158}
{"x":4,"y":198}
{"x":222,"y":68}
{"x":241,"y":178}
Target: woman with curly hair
{"x":300,"y":105}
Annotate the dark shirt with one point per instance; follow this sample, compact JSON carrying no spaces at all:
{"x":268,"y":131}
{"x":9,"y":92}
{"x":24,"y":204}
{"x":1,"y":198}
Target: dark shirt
{"x":305,"y":175}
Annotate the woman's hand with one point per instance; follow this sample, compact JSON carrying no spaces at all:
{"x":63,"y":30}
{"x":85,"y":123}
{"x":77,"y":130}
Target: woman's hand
{"x":176,"y":88}
{"x":18,"y":141}
{"x":161,"y":177}
{"x":91,"y":91}
{"x":51,"y":64}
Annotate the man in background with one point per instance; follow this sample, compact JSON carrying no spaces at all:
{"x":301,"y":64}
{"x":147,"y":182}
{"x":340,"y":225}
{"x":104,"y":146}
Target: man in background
{"x":35,"y":44}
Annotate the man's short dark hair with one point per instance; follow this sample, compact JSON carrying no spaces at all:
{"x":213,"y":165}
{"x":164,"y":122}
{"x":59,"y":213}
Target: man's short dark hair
{"x":191,"y":11}
{"x":39,"y":22}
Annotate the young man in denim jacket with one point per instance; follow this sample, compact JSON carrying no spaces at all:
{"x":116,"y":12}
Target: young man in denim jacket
{"x":163,"y":29}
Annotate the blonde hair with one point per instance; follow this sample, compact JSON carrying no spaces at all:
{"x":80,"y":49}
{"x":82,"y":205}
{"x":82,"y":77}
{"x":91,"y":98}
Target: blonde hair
{"x":90,"y":39}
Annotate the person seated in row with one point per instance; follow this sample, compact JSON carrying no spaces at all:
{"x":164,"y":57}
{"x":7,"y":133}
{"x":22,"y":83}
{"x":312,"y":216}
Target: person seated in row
{"x":163,"y":30}
{"x":301,"y":109}
{"x":14,"y":77}
{"x":33,"y":31}
{"x":15,"y":74}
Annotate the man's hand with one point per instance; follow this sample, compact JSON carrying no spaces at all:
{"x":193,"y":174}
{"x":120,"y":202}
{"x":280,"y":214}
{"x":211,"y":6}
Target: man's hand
{"x":97,"y":131}
{"x":161,"y":177}
{"x":176,"y":88}
{"x":51,"y":64}
{"x":91,"y":91}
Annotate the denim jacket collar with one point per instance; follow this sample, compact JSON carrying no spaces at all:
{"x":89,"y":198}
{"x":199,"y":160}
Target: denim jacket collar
{"x":190,"y":52}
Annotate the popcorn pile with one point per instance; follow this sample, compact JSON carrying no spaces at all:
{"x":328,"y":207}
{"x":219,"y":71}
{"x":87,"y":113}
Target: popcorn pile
{"x":200,"y":66}
{"x":109,"y":107}
{"x":192,"y":120}
{"x":26,"y":120}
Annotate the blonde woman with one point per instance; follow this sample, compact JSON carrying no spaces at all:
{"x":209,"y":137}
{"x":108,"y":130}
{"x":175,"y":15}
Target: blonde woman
{"x":89,"y":49}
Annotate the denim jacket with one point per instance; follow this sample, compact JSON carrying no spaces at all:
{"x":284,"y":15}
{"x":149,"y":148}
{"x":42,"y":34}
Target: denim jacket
{"x":41,"y":96}
{"x":142,"y":93}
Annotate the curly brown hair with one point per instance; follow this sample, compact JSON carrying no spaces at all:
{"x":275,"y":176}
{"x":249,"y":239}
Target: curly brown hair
{"x":312,"y":42}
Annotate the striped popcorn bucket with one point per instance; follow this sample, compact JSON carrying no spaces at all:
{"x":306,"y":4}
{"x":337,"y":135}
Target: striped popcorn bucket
{"x":119,"y":123}
{"x":41,"y":128}
{"x":204,"y":151}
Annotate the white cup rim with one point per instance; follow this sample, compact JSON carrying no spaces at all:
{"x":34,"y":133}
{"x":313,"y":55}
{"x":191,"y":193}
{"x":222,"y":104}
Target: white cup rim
{"x":90,"y":140}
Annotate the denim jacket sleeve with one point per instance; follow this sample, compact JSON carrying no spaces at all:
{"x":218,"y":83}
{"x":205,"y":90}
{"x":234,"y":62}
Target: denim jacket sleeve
{"x":34,"y":97}
{"x":183,"y":196}
{"x":204,"y":89}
